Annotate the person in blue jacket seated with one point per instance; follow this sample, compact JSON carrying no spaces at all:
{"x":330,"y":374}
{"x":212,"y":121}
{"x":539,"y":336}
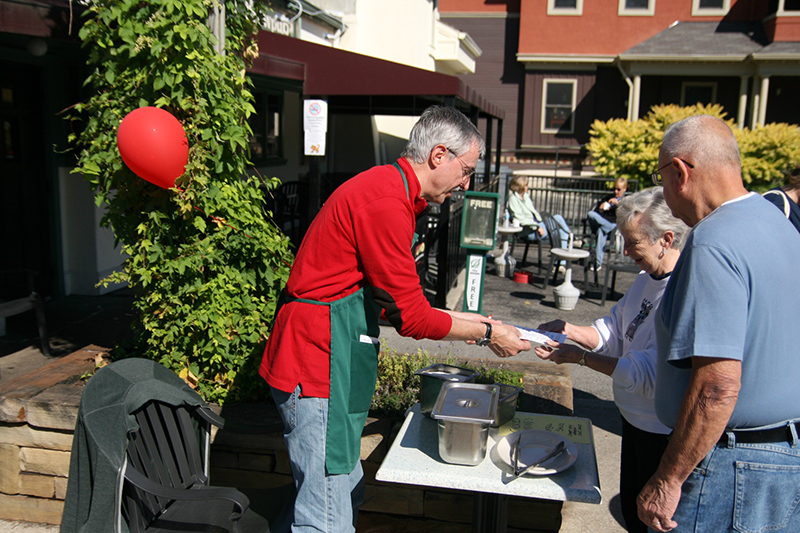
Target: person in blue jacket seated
{"x":523,"y":211}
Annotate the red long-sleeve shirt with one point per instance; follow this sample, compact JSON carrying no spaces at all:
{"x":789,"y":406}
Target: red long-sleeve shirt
{"x":361,"y":236}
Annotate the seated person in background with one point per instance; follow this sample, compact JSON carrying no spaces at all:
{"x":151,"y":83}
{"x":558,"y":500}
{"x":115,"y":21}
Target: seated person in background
{"x":521,"y":207}
{"x":623,"y":344}
{"x":787,"y":198}
{"x":603,"y":218}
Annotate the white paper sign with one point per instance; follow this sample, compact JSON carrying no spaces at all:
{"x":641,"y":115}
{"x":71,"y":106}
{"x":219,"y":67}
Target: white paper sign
{"x":315,"y":143}
{"x":315,"y":125}
{"x":315,"y":116}
{"x":473,"y":289}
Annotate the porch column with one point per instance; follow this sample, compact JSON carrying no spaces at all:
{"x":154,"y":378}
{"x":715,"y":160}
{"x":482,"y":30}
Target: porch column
{"x":637,"y":95}
{"x":742,"y":113}
{"x":762,"y":103}
{"x":756,"y":92}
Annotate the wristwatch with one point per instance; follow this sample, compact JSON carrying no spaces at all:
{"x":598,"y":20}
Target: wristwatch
{"x":486,"y":338}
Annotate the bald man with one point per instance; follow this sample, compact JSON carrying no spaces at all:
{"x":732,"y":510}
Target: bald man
{"x":728,"y":361}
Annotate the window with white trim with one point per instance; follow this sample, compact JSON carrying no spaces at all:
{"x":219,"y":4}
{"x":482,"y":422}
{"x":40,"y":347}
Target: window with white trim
{"x":789,"y":7}
{"x":565,"y":7}
{"x":558,"y":105}
{"x":637,"y":8}
{"x":698,"y":92}
{"x":702,"y":8}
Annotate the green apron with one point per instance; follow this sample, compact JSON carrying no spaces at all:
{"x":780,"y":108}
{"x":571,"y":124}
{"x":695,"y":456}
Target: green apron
{"x":354,"y":371}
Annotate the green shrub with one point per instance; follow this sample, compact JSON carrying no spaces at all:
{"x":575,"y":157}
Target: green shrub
{"x":630,"y":149}
{"x":397,"y":387}
{"x":205,"y":262}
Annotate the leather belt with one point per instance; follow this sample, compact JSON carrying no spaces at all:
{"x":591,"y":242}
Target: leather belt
{"x":778,"y":434}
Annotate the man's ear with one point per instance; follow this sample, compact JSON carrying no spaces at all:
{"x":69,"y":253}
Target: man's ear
{"x":683,"y":172}
{"x":438,"y":156}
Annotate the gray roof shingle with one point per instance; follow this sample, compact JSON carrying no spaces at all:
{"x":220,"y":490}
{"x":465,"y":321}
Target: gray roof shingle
{"x":683,"y":40}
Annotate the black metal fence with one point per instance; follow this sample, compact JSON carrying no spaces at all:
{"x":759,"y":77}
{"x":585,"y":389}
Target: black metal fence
{"x":570,"y":196}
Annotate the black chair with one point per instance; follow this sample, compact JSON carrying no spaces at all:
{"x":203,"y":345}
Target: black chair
{"x":528,"y":242}
{"x":291,"y":210}
{"x":166,"y":476}
{"x":31,"y":302}
{"x":617,"y":262}
{"x":140,"y":457}
{"x":554,"y":234}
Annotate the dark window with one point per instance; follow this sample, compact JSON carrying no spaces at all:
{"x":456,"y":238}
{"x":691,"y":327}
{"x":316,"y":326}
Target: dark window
{"x":700,"y":93}
{"x":559,"y":97}
{"x":637,"y":4}
{"x":791,"y":5}
{"x":266,"y":144}
{"x":711,"y":4}
{"x":565,"y":4}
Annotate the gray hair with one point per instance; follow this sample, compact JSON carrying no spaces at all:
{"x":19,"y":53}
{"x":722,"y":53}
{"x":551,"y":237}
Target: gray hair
{"x":442,"y":125}
{"x":705,"y":139}
{"x":656,"y":216}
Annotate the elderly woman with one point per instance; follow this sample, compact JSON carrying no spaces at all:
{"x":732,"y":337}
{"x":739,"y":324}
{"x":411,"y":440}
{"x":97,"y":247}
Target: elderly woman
{"x":623,"y":344}
{"x":521,"y":207}
{"x":787,"y":198}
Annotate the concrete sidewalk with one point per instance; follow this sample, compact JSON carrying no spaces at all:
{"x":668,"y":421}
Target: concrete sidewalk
{"x":75,"y":322}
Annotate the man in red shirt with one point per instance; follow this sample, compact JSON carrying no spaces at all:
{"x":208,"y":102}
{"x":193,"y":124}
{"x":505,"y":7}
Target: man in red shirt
{"x":321,"y":358}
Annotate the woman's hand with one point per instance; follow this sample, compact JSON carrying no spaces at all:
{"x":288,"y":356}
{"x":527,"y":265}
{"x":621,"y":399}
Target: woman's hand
{"x":556,"y":326}
{"x":541,"y":231}
{"x":559,"y":353}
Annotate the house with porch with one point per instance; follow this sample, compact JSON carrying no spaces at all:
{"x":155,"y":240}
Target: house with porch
{"x":555,"y":66}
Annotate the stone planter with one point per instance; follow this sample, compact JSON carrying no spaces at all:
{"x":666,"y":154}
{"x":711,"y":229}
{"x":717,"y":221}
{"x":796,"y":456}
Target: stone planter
{"x":38,"y":413}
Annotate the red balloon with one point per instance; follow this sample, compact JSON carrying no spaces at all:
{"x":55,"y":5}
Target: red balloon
{"x":153,"y":144}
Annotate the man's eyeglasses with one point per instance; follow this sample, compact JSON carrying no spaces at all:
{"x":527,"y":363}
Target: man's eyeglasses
{"x":466,"y":171}
{"x":656,"y":176}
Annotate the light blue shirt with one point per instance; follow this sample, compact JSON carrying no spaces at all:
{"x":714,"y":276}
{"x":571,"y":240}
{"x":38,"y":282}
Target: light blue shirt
{"x":733,"y":295}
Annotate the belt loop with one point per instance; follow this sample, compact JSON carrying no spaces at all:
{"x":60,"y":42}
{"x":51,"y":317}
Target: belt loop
{"x":793,"y":431}
{"x":731,"y":439}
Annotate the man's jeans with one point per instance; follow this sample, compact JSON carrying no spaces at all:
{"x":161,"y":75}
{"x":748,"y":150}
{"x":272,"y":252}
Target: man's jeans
{"x":604,"y":228}
{"x":324,"y":503}
{"x":747,"y":488}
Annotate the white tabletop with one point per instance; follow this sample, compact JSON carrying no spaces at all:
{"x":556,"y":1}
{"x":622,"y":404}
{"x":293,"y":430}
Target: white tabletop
{"x":509,"y":229}
{"x":570,"y":254}
{"x":414,"y":459}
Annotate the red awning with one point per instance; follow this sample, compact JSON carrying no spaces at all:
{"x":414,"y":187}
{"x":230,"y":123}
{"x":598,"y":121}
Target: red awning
{"x":327,"y":71}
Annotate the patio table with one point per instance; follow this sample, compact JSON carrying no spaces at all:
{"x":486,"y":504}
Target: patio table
{"x":413,"y":458}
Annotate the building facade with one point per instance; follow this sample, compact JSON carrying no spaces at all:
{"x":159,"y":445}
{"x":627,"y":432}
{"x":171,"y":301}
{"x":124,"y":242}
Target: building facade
{"x":555,"y":66}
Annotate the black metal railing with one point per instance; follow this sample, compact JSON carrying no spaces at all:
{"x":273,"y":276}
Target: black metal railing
{"x":572,"y":196}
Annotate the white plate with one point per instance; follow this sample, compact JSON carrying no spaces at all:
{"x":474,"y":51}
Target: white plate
{"x":535,"y":444}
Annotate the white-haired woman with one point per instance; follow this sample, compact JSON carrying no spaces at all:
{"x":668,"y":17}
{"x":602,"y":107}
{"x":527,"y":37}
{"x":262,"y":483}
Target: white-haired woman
{"x":623,"y":344}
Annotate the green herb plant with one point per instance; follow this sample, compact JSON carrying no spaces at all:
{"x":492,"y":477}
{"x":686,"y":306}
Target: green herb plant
{"x":204,"y":259}
{"x":397,"y":388}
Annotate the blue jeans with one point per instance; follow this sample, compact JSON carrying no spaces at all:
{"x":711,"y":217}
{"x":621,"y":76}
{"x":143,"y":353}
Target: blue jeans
{"x":604,"y":229}
{"x":564,"y":233}
{"x":324,"y":503}
{"x":746,"y":488}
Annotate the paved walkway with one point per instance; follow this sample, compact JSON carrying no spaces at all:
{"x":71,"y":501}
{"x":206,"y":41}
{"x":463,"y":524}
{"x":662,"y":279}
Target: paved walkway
{"x":77,"y":321}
